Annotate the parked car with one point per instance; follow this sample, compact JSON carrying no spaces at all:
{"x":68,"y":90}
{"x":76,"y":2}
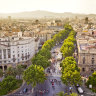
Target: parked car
{"x":80,"y":91}
{"x":25,"y":90}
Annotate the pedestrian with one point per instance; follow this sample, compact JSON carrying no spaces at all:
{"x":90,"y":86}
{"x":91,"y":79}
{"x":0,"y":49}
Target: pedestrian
{"x":52,"y":83}
{"x":59,"y":82}
{"x":47,"y":91}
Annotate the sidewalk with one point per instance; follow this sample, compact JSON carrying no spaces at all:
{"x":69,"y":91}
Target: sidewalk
{"x":88,"y":92}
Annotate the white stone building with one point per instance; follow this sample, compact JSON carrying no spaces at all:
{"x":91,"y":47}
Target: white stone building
{"x":16,"y":50}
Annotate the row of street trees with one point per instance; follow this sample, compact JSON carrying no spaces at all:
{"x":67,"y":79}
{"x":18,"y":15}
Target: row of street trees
{"x":43,"y":56}
{"x":34,"y":74}
{"x":68,"y":46}
{"x":70,"y":71}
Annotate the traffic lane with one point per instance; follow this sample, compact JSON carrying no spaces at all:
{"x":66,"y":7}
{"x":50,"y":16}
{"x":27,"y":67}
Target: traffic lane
{"x":48,"y":85}
{"x":42,"y":88}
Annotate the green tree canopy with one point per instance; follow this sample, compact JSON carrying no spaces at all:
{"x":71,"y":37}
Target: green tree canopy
{"x":70,"y":72}
{"x":67,"y":49}
{"x":8,"y":84}
{"x":1,"y":72}
{"x":46,"y":53}
{"x":19,"y":70}
{"x":92,"y":80}
{"x":34,"y":75}
{"x":40,"y":60}
{"x":11,"y":72}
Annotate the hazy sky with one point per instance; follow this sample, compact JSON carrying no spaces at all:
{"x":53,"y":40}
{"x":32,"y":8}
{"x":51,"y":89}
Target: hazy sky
{"x":76,"y":6}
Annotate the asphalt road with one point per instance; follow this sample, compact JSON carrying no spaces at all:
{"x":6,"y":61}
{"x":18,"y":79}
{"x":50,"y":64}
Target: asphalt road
{"x":47,"y":85}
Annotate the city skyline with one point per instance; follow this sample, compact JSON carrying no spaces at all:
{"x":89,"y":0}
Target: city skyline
{"x":58,"y":6}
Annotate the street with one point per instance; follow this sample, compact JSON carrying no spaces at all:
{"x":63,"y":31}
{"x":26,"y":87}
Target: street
{"x":52,"y":85}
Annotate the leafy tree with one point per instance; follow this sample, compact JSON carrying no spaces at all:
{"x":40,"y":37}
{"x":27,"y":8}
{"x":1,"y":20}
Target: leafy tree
{"x":68,"y":27}
{"x":68,"y":46}
{"x":34,"y":75}
{"x":70,"y":72}
{"x":48,"y":44}
{"x":92,"y":80}
{"x":44,"y":52}
{"x":19,"y":70}
{"x":40,"y":60}
{"x":67,"y":49}
{"x":86,"y":20}
{"x":65,"y":94}
{"x":1,"y":72}
{"x":74,"y":94}
{"x":11,"y":72}
{"x":68,"y":61}
{"x":60,"y":93}
{"x":8,"y":84}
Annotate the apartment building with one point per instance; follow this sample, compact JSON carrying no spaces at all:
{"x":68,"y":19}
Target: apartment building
{"x":86,"y":54}
{"x":16,"y":50}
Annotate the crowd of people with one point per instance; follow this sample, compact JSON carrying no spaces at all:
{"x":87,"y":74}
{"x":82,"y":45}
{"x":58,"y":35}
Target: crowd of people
{"x":54,"y":81}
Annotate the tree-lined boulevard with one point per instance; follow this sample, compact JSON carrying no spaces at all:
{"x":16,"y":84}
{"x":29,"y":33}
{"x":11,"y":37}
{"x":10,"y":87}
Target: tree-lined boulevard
{"x":50,"y":75}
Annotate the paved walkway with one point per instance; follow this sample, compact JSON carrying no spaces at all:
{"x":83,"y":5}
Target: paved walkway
{"x":55,"y":72}
{"x":88,"y":92}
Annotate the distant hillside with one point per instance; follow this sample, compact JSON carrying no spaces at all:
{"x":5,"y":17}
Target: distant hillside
{"x":41,"y":14}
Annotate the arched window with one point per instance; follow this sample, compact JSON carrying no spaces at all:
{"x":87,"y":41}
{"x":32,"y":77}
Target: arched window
{"x":83,"y":60}
{"x":92,"y":70}
{"x":83,"y":69}
{"x":92,"y":60}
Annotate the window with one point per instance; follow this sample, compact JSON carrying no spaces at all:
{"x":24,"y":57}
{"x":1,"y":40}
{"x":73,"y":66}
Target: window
{"x":4,"y":61}
{"x":0,"y":56}
{"x":8,"y":44}
{"x":9,"y":56}
{"x":9,"y":53}
{"x":83,"y":69}
{"x":83,"y":60}
{"x":22,"y":56}
{"x":4,"y":52}
{"x":18,"y":55}
{"x":4,"y":56}
{"x":92,"y":70}
{"x":0,"y":62}
{"x":92,"y":60}
{"x":13,"y":51}
{"x":13,"y":56}
{"x":13,"y":60}
{"x":0,"y":51}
